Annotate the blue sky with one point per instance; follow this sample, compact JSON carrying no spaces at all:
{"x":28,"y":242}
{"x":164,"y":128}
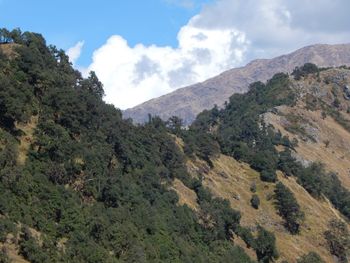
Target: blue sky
{"x":66,"y":22}
{"x":141,"y":49}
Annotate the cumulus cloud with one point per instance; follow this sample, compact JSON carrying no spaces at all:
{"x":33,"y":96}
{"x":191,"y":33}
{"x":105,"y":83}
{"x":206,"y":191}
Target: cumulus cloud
{"x":75,"y":51}
{"x":274,"y":27}
{"x":132,"y":75}
{"x":225,"y":34}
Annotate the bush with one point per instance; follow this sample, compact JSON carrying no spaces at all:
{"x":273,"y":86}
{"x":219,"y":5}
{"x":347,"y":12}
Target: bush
{"x":255,"y":201}
{"x":246,"y":236}
{"x":338,"y":239}
{"x":268,"y":176}
{"x":265,"y":246}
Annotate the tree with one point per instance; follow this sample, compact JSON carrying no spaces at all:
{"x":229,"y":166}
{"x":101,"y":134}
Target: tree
{"x":265,"y":246}
{"x":175,"y":124}
{"x":93,"y":84}
{"x":338,"y":239}
{"x":255,"y":201}
{"x":5,"y":36}
{"x":308,"y":68}
{"x":288,"y":208}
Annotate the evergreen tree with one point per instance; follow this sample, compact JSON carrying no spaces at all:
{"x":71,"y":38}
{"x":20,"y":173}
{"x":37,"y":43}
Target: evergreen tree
{"x":288,"y":208}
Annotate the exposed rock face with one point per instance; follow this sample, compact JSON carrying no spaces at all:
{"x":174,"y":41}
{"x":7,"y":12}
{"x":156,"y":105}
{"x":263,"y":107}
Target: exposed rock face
{"x":189,"y":101}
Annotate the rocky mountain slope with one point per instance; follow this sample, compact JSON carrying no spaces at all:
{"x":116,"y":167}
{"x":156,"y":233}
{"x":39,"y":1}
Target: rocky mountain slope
{"x":189,"y":101}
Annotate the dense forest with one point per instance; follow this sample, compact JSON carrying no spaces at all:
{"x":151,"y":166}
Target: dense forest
{"x":97,"y":188}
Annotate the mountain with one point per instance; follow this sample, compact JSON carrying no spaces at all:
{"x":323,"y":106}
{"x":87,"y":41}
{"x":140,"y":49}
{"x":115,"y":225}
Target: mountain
{"x":189,"y":101}
{"x":264,"y":179}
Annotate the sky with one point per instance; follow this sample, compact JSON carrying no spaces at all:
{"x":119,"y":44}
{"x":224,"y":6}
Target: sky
{"x":144,"y":49}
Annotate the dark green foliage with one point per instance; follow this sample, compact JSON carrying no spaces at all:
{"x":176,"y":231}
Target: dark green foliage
{"x":317,"y":182}
{"x":288,"y":208}
{"x":255,"y":201}
{"x":241,"y":132}
{"x":202,"y":144}
{"x":312,"y":178}
{"x":93,"y":85}
{"x":265,"y":246}
{"x":30,"y":249}
{"x":175,"y":125}
{"x":6,"y":227}
{"x":246,"y":236}
{"x":338,"y":239}
{"x":3,"y":256}
{"x":288,"y":164}
{"x":217,"y":211}
{"x":305,"y":70}
{"x":311,"y":257}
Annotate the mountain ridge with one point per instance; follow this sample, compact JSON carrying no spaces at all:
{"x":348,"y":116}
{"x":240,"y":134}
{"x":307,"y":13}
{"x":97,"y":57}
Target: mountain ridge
{"x":188,"y":102}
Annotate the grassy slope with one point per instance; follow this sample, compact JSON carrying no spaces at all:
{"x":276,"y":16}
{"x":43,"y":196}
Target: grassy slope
{"x":231,"y":179}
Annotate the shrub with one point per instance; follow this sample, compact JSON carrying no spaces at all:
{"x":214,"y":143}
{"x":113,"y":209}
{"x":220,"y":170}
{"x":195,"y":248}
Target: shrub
{"x":338,"y":239}
{"x":265,"y":246}
{"x":255,"y":201}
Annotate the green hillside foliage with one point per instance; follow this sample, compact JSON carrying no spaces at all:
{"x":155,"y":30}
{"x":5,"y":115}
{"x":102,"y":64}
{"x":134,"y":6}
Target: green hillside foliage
{"x":95,"y":186}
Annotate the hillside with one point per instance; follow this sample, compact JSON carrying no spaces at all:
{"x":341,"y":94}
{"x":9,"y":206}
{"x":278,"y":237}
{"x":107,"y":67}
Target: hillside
{"x":80,"y":184}
{"x":189,"y":101}
{"x":293,"y":130}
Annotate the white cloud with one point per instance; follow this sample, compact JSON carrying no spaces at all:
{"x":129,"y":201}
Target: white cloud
{"x":225,"y":34}
{"x":132,"y":75}
{"x":75,"y":51}
{"x":275,"y":27}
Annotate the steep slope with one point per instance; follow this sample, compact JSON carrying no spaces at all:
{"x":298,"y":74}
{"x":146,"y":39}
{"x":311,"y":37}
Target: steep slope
{"x":232,"y":180}
{"x":79,"y":184}
{"x":281,"y":129}
{"x":189,"y":101}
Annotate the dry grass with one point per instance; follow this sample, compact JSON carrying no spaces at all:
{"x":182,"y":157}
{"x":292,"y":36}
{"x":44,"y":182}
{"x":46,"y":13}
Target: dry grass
{"x":178,"y":141}
{"x":332,"y":146}
{"x":232,"y":180}
{"x":249,"y":251}
{"x":186,"y":195}
{"x":27,"y":139}
{"x":12,"y":253}
{"x":11,"y":244}
{"x":9,"y":49}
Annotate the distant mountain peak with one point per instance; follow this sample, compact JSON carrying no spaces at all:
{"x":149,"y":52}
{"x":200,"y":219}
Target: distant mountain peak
{"x":187,"y":102}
